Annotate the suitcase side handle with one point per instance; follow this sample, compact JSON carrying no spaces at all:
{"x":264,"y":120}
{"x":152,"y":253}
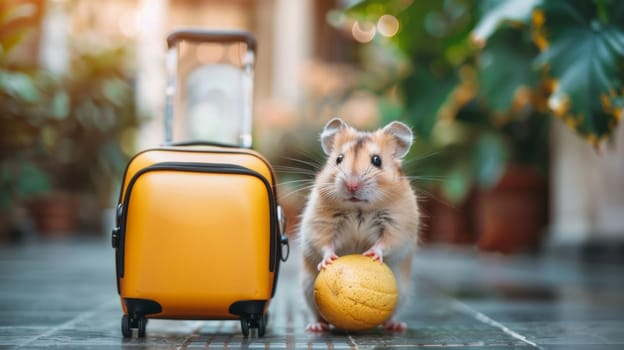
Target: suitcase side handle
{"x":211,"y":36}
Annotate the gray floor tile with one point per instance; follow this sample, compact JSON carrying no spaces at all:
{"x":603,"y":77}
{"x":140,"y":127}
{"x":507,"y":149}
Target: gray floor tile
{"x":63,"y":295}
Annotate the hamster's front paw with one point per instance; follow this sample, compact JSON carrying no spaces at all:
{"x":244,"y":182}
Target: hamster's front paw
{"x":394,"y":326}
{"x":317,"y":327}
{"x":375,"y":253}
{"x":327,"y":260}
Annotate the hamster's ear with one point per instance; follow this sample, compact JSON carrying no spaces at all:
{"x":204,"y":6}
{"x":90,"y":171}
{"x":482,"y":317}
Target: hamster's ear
{"x":329,"y":132}
{"x":403,"y":137}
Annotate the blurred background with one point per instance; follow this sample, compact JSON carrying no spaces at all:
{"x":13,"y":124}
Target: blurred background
{"x":515,"y":105}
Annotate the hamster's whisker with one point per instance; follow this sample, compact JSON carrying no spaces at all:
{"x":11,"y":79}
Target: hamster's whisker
{"x":341,"y":170}
{"x":290,"y":167}
{"x":312,"y":156}
{"x":368,"y":180}
{"x":422,"y":193}
{"x":425,"y":156}
{"x":367,"y":171}
{"x":290,"y":182}
{"x":290,"y":193}
{"x":384,"y":194}
{"x":327,"y":186}
{"x":370,"y":169}
{"x":427,"y":178}
{"x":312,"y":164}
{"x":294,"y":170}
{"x":327,"y":190}
{"x":370,"y":176}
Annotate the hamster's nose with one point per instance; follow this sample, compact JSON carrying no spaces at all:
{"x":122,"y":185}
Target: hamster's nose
{"x":353,"y":185}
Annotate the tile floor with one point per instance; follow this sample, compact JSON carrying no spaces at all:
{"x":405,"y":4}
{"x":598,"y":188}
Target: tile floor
{"x":62,"y":295}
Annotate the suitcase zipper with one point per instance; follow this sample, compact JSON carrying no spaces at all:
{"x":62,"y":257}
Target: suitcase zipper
{"x":215,"y":168}
{"x":223,"y":150}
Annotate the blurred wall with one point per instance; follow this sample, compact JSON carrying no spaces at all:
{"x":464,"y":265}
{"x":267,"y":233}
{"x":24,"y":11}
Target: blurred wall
{"x":587,"y":188}
{"x":150,"y":73}
{"x":293,"y":39}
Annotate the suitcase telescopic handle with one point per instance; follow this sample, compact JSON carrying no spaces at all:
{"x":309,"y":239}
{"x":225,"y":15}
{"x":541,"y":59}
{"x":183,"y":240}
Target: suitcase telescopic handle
{"x":200,"y":143}
{"x":211,"y":36}
{"x":196,"y":35}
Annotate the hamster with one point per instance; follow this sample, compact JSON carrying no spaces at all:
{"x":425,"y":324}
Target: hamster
{"x":361,"y":203}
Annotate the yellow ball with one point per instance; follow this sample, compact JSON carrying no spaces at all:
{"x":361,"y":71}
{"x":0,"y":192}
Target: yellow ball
{"x":356,"y":293}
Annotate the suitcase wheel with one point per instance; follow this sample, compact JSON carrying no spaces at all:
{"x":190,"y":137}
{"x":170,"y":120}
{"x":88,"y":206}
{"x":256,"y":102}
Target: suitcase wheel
{"x":245,"y":327}
{"x":125,"y":326}
{"x":261,"y":326}
{"x":141,"y":325}
{"x":254,"y":321}
{"x":128,"y":323}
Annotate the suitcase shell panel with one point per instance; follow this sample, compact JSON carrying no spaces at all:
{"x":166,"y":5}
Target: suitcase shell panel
{"x":185,"y":245}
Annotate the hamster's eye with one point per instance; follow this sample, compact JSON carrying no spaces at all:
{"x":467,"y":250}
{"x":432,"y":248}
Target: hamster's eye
{"x":376,"y":161}
{"x":339,"y":159}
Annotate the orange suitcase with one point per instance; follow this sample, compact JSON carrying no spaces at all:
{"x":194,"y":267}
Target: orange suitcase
{"x":198,"y":234}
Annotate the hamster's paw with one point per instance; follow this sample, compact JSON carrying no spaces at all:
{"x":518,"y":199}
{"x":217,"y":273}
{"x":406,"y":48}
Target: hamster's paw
{"x":375,"y":253}
{"x":327,"y":260}
{"x":394,"y":326}
{"x":317,"y":327}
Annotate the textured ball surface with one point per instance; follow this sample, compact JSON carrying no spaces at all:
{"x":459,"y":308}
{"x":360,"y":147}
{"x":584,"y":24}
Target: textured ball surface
{"x":356,"y":293}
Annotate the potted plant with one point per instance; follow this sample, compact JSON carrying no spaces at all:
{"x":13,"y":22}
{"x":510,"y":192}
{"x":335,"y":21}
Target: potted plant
{"x":90,"y":147}
{"x":34,"y":108}
{"x":29,"y":109}
{"x":65,"y":140}
{"x":490,"y":81}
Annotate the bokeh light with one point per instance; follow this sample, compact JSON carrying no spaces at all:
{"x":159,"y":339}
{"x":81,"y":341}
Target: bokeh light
{"x":363,"y":32}
{"x":388,"y":25}
{"x":128,"y":23}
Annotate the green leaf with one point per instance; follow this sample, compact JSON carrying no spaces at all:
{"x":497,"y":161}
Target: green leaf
{"x":425,"y":93}
{"x":389,"y":110}
{"x":490,"y":158}
{"x":505,"y":65}
{"x":499,"y":11}
{"x":32,"y":181}
{"x":458,"y":183}
{"x":20,"y":85}
{"x":585,"y":56}
{"x":60,"y":105}
{"x":116,"y":91}
{"x":413,"y":36}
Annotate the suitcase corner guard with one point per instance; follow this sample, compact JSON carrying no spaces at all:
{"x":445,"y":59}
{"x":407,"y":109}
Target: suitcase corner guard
{"x":247,"y":307}
{"x":142,"y":307}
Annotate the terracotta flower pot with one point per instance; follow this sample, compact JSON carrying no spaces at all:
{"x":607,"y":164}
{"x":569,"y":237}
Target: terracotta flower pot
{"x":511,"y":216}
{"x":5,"y":227}
{"x":55,"y":214}
{"x":445,"y":223}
